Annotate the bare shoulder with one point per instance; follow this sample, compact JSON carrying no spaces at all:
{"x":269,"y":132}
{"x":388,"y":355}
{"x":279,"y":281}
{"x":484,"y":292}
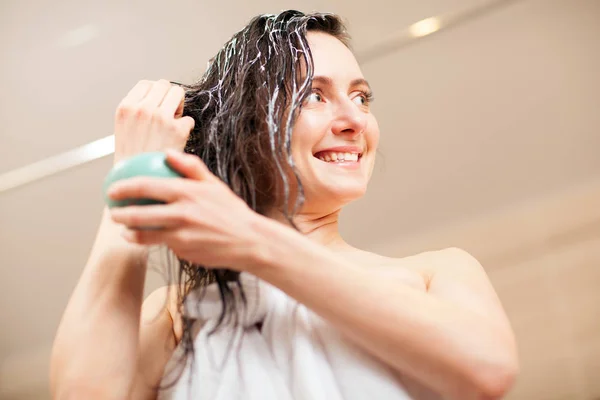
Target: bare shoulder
{"x":403,"y":270}
{"x":452,"y":262}
{"x":437,"y":256}
{"x":449,"y":269}
{"x":450,"y":258}
{"x":455,"y":276}
{"x":439,"y":271}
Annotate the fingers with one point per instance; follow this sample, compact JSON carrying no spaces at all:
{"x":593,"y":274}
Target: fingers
{"x":187,"y":123}
{"x":149,"y":119}
{"x":138,"y":92}
{"x":146,"y":237}
{"x":157,"y":93}
{"x":189,"y":165}
{"x":172,"y":104}
{"x":154,"y":236}
{"x":167,"y":190}
{"x":149,"y":218}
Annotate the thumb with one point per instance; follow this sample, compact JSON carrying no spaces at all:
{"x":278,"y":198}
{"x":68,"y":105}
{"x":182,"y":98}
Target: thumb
{"x":188,"y":165}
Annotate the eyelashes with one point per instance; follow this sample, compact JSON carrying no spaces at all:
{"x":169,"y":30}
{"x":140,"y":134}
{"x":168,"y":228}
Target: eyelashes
{"x":368,"y":96}
{"x":316,"y":95}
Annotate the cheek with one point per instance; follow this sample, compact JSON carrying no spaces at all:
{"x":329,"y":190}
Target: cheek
{"x":373,"y":144}
{"x":373,"y":136}
{"x":308,"y":130}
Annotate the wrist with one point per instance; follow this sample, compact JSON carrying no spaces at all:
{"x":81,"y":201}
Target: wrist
{"x":114,"y":264}
{"x":268,"y":245}
{"x":109,"y":242}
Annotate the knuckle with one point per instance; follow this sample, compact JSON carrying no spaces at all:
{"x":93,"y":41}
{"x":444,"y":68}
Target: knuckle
{"x":123,"y":110}
{"x":161,"y":118}
{"x":139,"y":236}
{"x":187,"y":214}
{"x":142,"y":112}
{"x":184,"y":238}
{"x":141,"y":185}
{"x":182,"y":217}
{"x":133,"y":221}
{"x":135,"y":187}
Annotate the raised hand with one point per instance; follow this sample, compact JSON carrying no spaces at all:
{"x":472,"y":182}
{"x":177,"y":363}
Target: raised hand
{"x":150,"y":118}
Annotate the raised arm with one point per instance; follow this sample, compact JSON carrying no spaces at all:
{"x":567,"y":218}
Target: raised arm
{"x":98,"y":344}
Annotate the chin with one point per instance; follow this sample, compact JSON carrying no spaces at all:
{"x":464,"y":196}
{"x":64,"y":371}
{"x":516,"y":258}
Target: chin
{"x":335,"y":198}
{"x":331,"y":187}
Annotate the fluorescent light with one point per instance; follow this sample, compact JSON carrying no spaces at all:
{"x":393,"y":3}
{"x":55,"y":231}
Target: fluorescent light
{"x":52,"y":165}
{"x":425,"y":27}
{"x":79,"y":36}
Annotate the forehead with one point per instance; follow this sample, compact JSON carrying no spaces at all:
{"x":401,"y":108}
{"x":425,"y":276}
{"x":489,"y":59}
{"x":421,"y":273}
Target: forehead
{"x":331,"y":57}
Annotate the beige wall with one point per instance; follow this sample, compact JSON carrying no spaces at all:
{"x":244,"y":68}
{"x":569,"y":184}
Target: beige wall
{"x":553,"y":302}
{"x":544,"y":261}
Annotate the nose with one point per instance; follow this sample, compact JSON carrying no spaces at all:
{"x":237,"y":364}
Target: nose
{"x":349,"y":120}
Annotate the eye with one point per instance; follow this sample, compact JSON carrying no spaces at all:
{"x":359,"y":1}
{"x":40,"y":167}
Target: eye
{"x":363,"y":99}
{"x":314,"y":97}
{"x":360,"y":100}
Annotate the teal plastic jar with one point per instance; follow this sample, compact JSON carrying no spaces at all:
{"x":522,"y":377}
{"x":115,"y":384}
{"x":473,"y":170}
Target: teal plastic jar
{"x":152,"y":164}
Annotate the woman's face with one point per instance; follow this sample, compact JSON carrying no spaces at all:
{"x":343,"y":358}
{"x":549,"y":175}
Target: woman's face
{"x":335,"y":136}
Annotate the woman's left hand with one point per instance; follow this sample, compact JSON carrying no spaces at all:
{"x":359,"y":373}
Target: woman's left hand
{"x":203,"y":221}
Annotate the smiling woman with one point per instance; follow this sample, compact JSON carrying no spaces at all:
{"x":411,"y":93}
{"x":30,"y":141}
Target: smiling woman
{"x":271,"y":302}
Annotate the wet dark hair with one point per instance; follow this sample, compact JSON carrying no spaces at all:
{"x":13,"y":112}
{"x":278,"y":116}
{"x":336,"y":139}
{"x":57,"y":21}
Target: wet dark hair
{"x":244,"y":108}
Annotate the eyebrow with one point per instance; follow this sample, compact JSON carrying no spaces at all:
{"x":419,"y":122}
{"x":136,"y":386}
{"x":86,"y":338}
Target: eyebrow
{"x":327,"y":81}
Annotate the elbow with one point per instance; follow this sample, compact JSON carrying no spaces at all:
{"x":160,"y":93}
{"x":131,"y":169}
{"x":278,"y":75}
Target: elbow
{"x":494,"y":381}
{"x":489,"y":376}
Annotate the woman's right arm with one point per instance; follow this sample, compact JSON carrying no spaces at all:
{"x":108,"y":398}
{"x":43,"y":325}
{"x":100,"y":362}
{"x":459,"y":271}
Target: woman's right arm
{"x":96,"y":345}
{"x":106,"y":347}
{"x":100,"y":344}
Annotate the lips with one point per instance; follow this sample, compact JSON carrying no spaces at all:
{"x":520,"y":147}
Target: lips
{"x":337,"y":157}
{"x":340,"y":150}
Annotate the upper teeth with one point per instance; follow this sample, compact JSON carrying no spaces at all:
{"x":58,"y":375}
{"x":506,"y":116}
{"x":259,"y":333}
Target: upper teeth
{"x":334,"y":156}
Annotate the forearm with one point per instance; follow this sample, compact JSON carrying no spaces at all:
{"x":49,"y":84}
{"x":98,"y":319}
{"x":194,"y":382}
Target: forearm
{"x":446,"y":348}
{"x":96,"y":343}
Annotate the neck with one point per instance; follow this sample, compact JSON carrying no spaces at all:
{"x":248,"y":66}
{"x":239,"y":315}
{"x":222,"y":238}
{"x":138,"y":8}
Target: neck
{"x":322,"y":228}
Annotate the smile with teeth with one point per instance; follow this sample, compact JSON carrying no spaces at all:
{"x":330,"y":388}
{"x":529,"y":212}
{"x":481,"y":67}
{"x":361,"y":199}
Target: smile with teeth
{"x":338,"y":157}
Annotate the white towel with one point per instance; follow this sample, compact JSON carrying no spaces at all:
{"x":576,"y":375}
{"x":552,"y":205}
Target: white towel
{"x":296,"y":355}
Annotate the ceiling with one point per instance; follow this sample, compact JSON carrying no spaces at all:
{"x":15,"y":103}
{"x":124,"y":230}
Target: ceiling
{"x":496,"y":110}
